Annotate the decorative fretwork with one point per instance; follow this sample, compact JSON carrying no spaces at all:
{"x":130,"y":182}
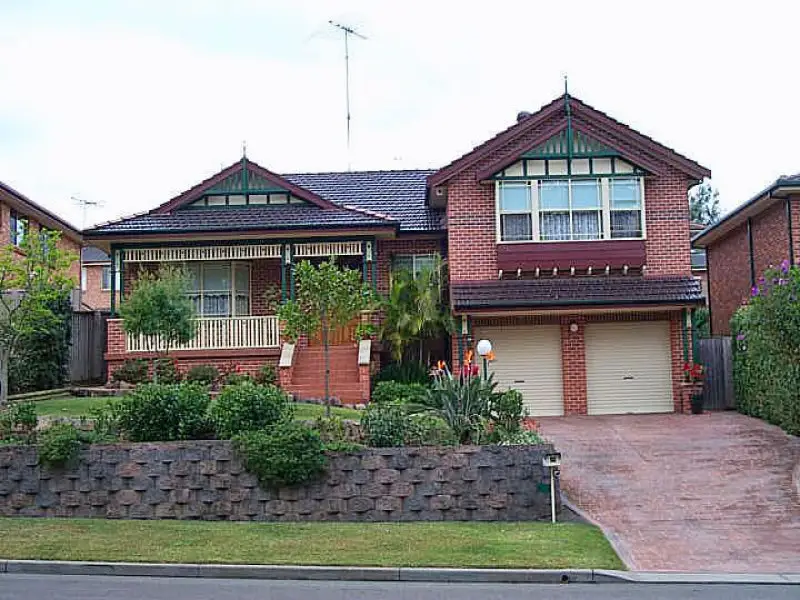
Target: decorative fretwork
{"x":314,"y":249}
{"x":558,"y":147}
{"x":220,"y":333}
{"x":192,"y":253}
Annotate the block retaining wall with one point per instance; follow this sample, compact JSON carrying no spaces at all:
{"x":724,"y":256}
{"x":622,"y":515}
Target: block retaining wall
{"x":206,"y":480}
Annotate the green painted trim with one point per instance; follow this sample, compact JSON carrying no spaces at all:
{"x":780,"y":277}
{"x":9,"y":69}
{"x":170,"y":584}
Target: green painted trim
{"x":685,"y":337}
{"x":576,"y":176}
{"x":364,"y":262}
{"x":291,"y":272}
{"x":283,"y":274}
{"x":113,"y":281}
{"x":245,"y":177}
{"x":121,"y":275}
{"x":695,"y":343}
{"x":375,"y":264}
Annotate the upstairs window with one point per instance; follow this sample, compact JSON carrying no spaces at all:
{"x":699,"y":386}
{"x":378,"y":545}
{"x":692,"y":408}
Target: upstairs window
{"x":19,"y":228}
{"x":570,"y":209}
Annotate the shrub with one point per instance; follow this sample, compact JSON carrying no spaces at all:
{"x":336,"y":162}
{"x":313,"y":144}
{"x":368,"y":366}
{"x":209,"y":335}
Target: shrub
{"x":267,"y":375}
{"x":205,"y":374}
{"x":523,"y":437}
{"x":59,"y":444}
{"x":343,"y":446}
{"x":248,"y":407}
{"x":405,"y":372}
{"x":506,"y":411}
{"x":164,"y":412}
{"x":464,"y":402}
{"x":287,"y":454}
{"x":399,"y":392}
{"x":167,"y":371}
{"x":105,"y":421}
{"x":18,"y":421}
{"x":384,"y":425}
{"x":766,"y":356}
{"x":133,"y":371}
{"x":335,"y":429}
{"x":428,"y":430}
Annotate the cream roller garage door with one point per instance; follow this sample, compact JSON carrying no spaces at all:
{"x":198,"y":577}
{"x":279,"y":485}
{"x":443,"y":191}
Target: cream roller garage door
{"x":528,"y":358}
{"x":628,"y":368}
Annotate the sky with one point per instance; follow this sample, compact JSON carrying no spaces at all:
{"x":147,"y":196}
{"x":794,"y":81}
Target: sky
{"x":126,"y":103}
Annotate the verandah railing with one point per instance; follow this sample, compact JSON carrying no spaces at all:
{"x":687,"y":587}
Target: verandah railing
{"x":221,"y":333}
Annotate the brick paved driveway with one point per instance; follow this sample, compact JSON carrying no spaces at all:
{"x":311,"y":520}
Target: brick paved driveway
{"x":711,"y":492}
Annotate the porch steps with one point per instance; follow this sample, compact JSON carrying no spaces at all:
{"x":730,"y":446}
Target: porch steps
{"x":308,"y":377}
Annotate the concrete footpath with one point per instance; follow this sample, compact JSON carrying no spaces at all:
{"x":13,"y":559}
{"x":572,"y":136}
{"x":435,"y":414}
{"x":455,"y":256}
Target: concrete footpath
{"x":406,"y":574}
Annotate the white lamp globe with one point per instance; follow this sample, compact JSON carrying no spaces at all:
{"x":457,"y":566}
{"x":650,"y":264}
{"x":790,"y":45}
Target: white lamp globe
{"x":484,"y":347}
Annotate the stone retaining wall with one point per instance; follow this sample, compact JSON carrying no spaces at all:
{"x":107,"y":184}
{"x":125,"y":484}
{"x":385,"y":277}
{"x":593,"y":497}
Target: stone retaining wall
{"x":206,"y":480}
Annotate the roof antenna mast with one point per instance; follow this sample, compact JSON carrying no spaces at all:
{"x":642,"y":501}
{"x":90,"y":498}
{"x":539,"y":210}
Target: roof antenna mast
{"x":85,"y":205}
{"x":348,"y":31}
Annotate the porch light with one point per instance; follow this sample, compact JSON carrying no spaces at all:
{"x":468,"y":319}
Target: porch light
{"x":484,"y":347}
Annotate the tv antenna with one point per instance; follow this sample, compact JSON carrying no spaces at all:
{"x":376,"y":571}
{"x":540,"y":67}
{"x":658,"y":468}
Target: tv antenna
{"x":348,"y":31}
{"x":85,"y":205}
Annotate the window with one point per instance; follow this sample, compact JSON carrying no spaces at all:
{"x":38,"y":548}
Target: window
{"x":626,"y":208}
{"x":19,"y":228}
{"x":105,"y":279}
{"x":220,"y":289}
{"x":515,"y":212}
{"x":570,"y":209}
{"x":414,"y":263}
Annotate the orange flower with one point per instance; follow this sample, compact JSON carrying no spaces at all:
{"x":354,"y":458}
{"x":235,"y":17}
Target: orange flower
{"x":441,"y":365}
{"x":468,"y":357}
{"x":490,"y":356}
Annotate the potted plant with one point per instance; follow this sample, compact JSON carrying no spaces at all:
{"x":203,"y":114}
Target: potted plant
{"x":693,"y":375}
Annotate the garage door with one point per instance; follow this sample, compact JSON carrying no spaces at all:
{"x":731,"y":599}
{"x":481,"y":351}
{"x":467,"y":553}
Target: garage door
{"x":528,"y":359}
{"x":628,"y":368}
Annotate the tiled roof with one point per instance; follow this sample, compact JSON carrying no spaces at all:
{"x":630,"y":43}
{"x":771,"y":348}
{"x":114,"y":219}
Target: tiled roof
{"x":364,"y":198}
{"x":789,"y":179}
{"x":92,"y":254}
{"x":575,"y":291}
{"x":286,"y":216}
{"x":399,"y":195}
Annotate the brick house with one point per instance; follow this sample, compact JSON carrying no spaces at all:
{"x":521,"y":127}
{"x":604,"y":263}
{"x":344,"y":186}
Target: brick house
{"x":762,"y":232}
{"x":566,"y":237}
{"x":96,"y":279}
{"x":21,"y":216}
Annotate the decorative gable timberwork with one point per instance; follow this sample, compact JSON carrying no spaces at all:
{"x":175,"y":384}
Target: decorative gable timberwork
{"x":582,"y":145}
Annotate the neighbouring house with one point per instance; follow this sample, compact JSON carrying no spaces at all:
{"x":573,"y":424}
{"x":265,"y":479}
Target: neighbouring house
{"x":20,"y":216}
{"x":698,"y":256}
{"x":566,"y":238}
{"x":762,"y":232}
{"x":96,"y":279}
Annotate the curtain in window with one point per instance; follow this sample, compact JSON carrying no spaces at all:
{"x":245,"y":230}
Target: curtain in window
{"x":516,"y":227}
{"x":586,"y":225}
{"x":555,"y":226}
{"x":626,"y":224}
{"x":241,"y":286}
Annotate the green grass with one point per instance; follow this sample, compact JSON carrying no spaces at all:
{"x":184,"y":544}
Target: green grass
{"x":304,"y":412}
{"x":69,"y":406}
{"x":493,"y":545}
{"x":73,"y":406}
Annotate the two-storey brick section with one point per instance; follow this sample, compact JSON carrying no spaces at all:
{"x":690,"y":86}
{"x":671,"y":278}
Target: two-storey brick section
{"x":565,"y":236}
{"x":761,"y":233}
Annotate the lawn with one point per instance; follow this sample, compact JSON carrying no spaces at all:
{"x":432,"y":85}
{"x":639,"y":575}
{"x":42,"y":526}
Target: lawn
{"x":69,"y":406}
{"x":73,"y":406}
{"x":492,"y":545}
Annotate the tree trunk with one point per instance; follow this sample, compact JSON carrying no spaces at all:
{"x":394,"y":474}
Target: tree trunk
{"x":326,"y":353}
{"x":5,"y":358}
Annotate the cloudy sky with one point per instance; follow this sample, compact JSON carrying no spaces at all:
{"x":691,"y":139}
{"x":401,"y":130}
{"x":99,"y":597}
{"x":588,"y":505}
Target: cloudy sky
{"x":129,"y":102}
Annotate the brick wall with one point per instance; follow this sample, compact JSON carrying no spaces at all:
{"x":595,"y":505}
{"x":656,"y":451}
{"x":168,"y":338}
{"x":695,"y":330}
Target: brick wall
{"x":94,"y":296}
{"x":795,"y":200}
{"x":206,"y":480}
{"x":573,"y":365}
{"x":770,"y":237}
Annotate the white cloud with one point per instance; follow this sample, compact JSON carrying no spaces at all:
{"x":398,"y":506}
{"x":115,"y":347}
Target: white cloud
{"x":132,"y":107}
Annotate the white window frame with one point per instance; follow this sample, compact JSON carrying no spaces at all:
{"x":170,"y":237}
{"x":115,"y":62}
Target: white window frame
{"x":232,"y":265}
{"x":605,"y":201}
{"x":117,"y":276}
{"x":414,"y":257}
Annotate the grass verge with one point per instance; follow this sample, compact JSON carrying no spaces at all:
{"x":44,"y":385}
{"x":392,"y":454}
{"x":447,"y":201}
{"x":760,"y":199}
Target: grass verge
{"x":489,"y":545}
{"x":304,"y":412}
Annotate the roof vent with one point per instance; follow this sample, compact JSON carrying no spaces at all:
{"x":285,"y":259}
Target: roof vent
{"x":523,"y":114}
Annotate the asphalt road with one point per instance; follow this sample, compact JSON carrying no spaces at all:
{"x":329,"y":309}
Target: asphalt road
{"x":72,"y":587}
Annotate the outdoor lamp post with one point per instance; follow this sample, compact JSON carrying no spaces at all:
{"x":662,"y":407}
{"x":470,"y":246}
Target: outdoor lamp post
{"x":483,"y":348}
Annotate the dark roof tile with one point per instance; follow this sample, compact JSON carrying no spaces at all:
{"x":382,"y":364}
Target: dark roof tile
{"x":575,"y":291}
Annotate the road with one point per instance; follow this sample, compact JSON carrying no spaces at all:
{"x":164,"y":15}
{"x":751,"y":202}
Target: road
{"x":72,"y":587}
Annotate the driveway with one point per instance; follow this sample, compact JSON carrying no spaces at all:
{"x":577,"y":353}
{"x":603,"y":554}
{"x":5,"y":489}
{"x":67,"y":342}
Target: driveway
{"x":711,"y":492}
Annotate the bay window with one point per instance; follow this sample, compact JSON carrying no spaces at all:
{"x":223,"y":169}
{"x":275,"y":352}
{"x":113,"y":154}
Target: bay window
{"x":590,"y":208}
{"x":220,"y":289}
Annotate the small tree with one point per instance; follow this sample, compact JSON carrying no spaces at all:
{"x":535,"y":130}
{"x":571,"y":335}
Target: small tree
{"x":415,"y":311}
{"x":33,"y":279}
{"x":326,"y":297}
{"x":160,"y":310}
{"x":704,"y":204}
